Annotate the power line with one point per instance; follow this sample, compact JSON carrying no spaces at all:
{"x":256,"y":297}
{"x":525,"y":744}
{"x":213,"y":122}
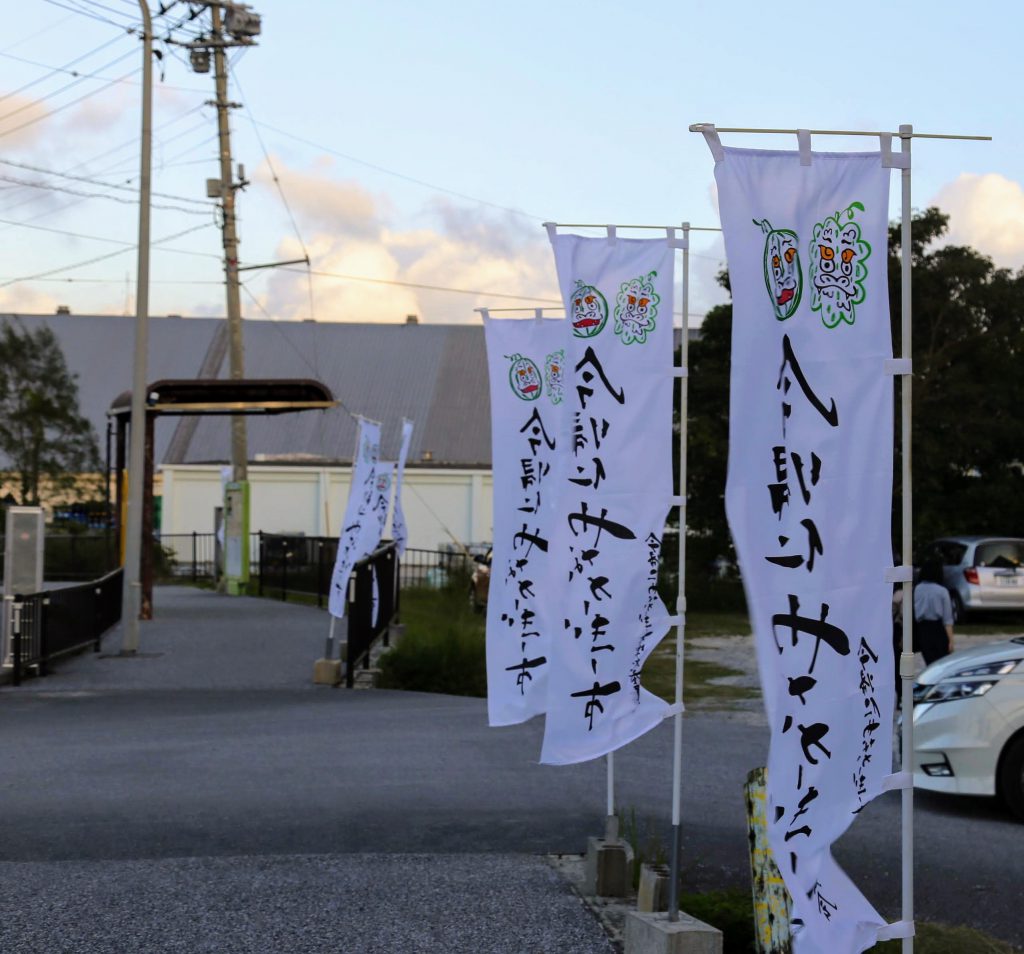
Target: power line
{"x":98,"y":258}
{"x":92,"y":181}
{"x":39,"y":32}
{"x":101,"y":238}
{"x":64,"y":88}
{"x":28,"y":183}
{"x":92,"y":16}
{"x":437,"y":288}
{"x":400,"y":175}
{"x":74,"y":102}
{"x":54,"y":70}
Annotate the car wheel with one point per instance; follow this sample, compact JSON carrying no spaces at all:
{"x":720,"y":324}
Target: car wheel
{"x":1011,"y":776}
{"x":959,"y":611}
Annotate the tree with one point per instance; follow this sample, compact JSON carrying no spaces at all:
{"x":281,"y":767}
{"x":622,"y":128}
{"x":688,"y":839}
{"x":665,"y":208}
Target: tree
{"x":968,"y":392}
{"x":45,"y":439}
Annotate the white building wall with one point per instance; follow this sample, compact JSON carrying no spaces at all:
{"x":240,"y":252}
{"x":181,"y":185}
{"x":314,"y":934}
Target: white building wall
{"x":439,"y":504}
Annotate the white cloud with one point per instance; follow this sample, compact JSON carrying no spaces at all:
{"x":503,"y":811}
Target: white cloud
{"x":348,"y":233}
{"x":987,"y":213}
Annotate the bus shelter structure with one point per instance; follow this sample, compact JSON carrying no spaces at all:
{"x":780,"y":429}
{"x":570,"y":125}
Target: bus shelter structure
{"x":193,"y":397}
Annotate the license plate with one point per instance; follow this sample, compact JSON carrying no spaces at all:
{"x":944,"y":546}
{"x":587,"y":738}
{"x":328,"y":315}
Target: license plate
{"x":1006,"y":581}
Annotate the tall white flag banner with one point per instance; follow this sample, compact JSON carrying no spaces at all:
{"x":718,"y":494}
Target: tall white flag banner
{"x":526,"y":363}
{"x":399,"y":529}
{"x":612,"y":493}
{"x":360,"y":520}
{"x":383,"y":477}
{"x":809,"y":497}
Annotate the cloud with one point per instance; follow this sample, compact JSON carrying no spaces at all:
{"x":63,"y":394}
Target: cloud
{"x":25,"y":300}
{"x":19,"y":110}
{"x":350,"y":236}
{"x":987,"y":213}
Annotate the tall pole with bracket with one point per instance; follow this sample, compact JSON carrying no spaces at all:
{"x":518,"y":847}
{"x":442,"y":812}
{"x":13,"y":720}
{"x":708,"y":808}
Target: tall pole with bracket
{"x":131,"y":595}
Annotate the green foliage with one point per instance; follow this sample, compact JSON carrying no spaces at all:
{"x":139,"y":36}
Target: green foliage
{"x":443,"y":646}
{"x":968,"y":341}
{"x":43,"y":434}
{"x":731,"y":911}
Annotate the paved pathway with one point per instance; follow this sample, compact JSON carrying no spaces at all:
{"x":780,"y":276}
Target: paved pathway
{"x":205,"y":796}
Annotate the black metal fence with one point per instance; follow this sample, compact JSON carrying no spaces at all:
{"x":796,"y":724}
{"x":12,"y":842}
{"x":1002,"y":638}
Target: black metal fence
{"x":44,"y":626}
{"x":372,"y":604}
{"x":75,"y":556}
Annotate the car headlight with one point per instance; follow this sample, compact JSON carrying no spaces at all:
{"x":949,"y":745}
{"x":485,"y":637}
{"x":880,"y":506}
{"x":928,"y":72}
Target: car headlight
{"x":949,"y":690}
{"x":989,"y":669}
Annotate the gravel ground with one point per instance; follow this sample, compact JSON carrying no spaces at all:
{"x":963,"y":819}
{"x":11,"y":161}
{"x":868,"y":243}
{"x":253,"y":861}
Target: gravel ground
{"x":352,"y":904}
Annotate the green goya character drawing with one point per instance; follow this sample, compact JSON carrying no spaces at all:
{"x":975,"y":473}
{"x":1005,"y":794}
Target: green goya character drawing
{"x":838,"y":269}
{"x":554,"y":375}
{"x":783,"y":276}
{"x":636,"y":307}
{"x":589,"y":311}
{"x":524,"y":377}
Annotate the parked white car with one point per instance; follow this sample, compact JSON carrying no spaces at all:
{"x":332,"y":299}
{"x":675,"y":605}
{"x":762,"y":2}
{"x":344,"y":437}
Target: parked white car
{"x":969,"y":723}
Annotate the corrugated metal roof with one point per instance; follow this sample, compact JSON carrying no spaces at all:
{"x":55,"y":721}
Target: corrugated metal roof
{"x":434,"y":374}
{"x":100,"y":349}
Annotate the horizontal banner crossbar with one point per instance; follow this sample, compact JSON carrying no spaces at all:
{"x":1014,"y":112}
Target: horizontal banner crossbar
{"x":700,"y":127}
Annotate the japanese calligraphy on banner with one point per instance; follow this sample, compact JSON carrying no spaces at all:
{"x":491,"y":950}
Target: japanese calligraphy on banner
{"x":360,"y":520}
{"x":612,"y":492}
{"x":808,"y":497}
{"x":526,"y":364}
{"x":399,"y":529}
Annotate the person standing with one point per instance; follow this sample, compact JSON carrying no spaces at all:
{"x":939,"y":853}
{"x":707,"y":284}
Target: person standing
{"x":933,"y":614}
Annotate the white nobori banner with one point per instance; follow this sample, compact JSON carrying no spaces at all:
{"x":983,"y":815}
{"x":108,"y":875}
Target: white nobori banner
{"x":399,"y":529}
{"x":525,"y":360}
{"x":809,"y":497}
{"x":360,"y":521}
{"x":612,"y":492}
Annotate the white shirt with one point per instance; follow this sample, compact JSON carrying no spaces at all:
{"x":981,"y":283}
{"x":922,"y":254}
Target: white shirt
{"x":931,"y":601}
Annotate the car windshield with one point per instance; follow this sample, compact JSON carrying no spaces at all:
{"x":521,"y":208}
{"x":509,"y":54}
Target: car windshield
{"x":1000,"y":554}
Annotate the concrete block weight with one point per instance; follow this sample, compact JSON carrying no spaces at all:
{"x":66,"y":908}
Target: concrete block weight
{"x":653,"y":933}
{"x":606,"y":868}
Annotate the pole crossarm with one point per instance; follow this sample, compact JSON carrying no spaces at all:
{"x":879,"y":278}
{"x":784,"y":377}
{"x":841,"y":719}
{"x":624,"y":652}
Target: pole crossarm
{"x":701,"y":127}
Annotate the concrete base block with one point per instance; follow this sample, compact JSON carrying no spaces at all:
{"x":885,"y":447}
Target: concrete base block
{"x":606,"y":869}
{"x":655,"y":934}
{"x":327,"y":672}
{"x":652,"y":893}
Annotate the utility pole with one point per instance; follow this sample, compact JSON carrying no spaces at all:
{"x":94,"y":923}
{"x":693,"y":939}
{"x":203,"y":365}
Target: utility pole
{"x":237,"y":28}
{"x":131,"y":601}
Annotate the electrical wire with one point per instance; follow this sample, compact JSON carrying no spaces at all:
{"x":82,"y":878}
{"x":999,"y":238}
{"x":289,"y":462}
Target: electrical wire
{"x":28,"y":183}
{"x":74,"y":102}
{"x":400,"y":175}
{"x":92,"y":16}
{"x":88,"y":179}
{"x":39,"y":32}
{"x":99,"y":258}
{"x":437,"y":288}
{"x":80,"y":79}
{"x":54,"y":70}
{"x":101,"y":238}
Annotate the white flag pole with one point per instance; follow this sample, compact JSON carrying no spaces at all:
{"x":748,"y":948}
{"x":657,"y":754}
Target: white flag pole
{"x":610,"y":823}
{"x":907,"y":656}
{"x":677,"y":756}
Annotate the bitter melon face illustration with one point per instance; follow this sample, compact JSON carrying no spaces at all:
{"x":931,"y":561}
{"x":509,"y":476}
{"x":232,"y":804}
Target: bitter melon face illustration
{"x":783,"y":276}
{"x":554,"y":376}
{"x":588,"y":311}
{"x":838,"y":270}
{"x":636,"y":307}
{"x":524,"y":378}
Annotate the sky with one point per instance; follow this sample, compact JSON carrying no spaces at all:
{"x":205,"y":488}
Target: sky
{"x":414,"y":150}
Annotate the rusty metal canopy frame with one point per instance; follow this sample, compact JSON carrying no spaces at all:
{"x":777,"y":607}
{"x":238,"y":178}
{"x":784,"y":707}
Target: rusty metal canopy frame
{"x":190,"y":396}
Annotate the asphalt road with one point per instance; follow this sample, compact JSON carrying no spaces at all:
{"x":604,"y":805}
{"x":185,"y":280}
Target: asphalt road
{"x":122,"y":787}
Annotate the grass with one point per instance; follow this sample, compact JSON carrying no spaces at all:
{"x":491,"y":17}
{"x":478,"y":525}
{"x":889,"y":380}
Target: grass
{"x":443,"y":646}
{"x":731,"y":911}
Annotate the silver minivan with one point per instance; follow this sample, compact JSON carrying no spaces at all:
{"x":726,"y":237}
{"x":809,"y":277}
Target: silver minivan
{"x":981,"y":572}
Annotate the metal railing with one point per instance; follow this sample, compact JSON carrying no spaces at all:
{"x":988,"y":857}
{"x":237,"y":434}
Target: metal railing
{"x":44,"y":626}
{"x":372,"y":604}
{"x":75,"y":556}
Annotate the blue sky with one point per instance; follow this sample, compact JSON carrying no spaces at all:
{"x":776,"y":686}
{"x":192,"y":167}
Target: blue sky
{"x":424,"y":144}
